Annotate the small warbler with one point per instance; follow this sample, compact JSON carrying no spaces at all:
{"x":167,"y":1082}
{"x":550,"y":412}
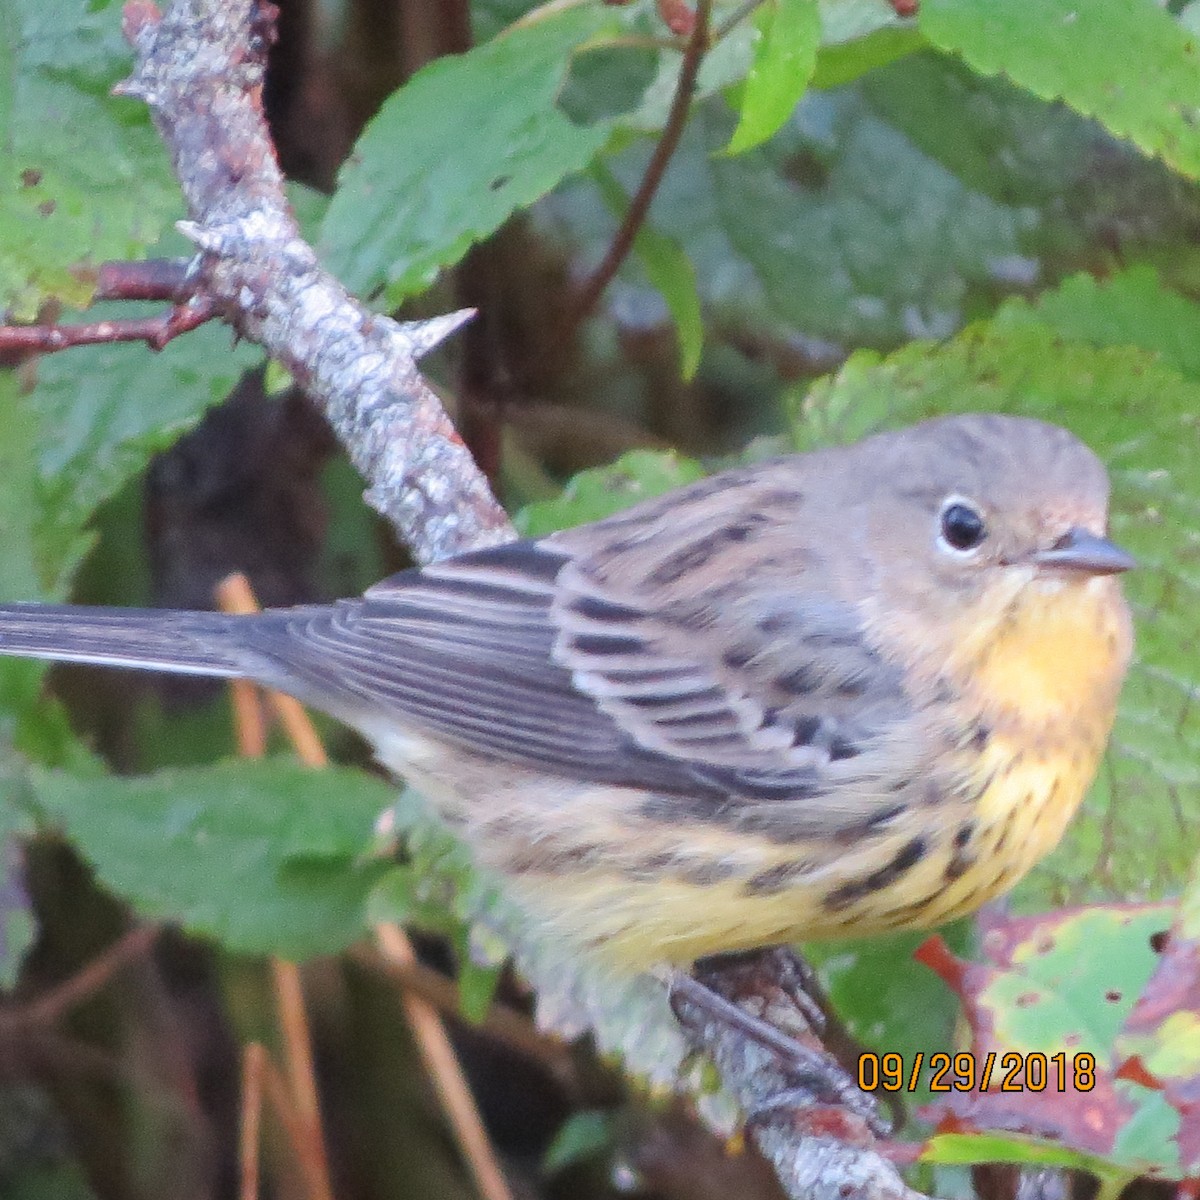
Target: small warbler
{"x":835,"y":693}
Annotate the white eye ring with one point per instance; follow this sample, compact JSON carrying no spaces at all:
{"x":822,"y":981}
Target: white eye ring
{"x":961,"y":527}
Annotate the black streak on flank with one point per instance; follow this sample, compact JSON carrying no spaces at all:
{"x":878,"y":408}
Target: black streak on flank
{"x":885,"y":816}
{"x":712,"y":697}
{"x":700,"y":720}
{"x":848,"y":893}
{"x":961,"y":860}
{"x":774,"y":879}
{"x":652,"y":867}
{"x":776,"y":622}
{"x":705,"y":872}
{"x":897,"y":918}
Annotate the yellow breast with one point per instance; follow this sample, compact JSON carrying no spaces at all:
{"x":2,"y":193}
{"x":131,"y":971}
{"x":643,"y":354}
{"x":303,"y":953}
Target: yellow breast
{"x":1045,"y":685}
{"x":1040,"y":679}
{"x":1058,"y":655}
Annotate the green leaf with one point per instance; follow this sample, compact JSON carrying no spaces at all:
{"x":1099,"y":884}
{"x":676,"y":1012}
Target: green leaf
{"x":900,"y":207}
{"x":1044,"y":1011}
{"x":1140,"y":827}
{"x":670,"y":272}
{"x":1128,"y":63}
{"x":264,"y":856}
{"x":308,"y":207}
{"x":41,"y":549}
{"x":17,"y":926}
{"x":583,"y":1135}
{"x":971,"y":1148}
{"x":601,"y":491}
{"x":477,"y":987}
{"x":405,"y":207}
{"x":1132,"y":308}
{"x":25,"y":574}
{"x":1071,"y":980}
{"x":83,"y":175}
{"x":884,"y":995}
{"x":787,"y":34}
{"x":277,"y":379}
{"x":104,"y":410}
{"x":840,"y":63}
{"x":422,"y":897}
{"x":439,"y":888}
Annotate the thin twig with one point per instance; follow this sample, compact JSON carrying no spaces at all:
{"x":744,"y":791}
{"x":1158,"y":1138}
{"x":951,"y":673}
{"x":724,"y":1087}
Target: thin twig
{"x":635,"y":215}
{"x":501,"y":1022}
{"x":301,"y":1076}
{"x":299,"y":729}
{"x":442,"y":1065}
{"x":734,"y":19}
{"x":235,"y":595}
{"x":150,"y":279}
{"x":156,"y":332}
{"x":249,"y":725}
{"x":51,"y":1007}
{"x":254,"y":1062}
{"x":433,"y":1044}
{"x":297,"y":1135}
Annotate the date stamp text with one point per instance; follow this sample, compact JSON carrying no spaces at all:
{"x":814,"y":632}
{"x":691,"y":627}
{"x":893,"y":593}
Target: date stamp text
{"x":963,"y":1072}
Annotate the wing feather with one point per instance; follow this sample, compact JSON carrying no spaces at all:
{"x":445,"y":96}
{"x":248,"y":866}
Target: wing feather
{"x":526,"y":653}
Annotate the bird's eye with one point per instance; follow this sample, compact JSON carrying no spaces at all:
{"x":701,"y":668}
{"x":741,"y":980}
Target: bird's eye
{"x":962,"y":527}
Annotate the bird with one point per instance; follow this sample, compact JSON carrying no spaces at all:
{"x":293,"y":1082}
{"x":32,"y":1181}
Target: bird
{"x":858,"y":689}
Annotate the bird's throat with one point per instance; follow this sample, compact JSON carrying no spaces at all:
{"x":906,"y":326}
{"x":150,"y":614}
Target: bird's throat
{"x":1057,"y":654}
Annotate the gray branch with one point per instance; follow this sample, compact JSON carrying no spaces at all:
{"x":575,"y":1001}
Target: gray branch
{"x":200,"y":69}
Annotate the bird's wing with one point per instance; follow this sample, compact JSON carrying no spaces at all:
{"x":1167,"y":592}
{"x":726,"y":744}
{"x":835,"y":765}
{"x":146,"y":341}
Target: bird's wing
{"x":685,"y":648}
{"x":527,"y":653}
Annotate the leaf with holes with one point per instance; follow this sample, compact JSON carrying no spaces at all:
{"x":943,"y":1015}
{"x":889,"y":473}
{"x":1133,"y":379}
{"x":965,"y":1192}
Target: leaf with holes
{"x":83,"y":175}
{"x":1044,"y":1011}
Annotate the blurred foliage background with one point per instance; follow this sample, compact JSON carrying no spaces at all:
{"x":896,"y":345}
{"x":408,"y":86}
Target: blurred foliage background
{"x":871,"y":213}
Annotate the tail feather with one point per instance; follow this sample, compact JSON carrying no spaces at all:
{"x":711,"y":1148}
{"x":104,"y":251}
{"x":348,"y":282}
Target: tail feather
{"x":187,"y":643}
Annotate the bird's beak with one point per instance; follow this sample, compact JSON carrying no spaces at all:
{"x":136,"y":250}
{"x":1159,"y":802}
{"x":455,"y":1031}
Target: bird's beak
{"x":1078,"y":550}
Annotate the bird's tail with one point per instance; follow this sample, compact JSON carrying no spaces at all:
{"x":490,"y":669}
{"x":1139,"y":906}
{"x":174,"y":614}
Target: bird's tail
{"x":187,"y":643}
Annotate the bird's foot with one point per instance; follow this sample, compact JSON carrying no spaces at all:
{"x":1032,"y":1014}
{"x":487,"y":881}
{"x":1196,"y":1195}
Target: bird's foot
{"x":770,"y":998}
